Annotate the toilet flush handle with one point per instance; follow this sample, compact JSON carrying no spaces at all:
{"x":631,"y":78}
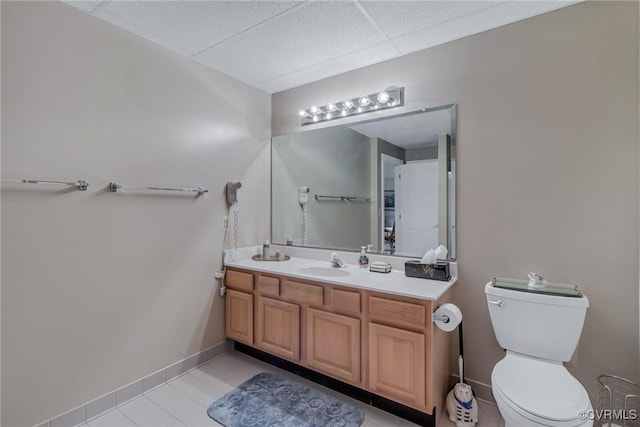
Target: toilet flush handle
{"x":499,"y":303}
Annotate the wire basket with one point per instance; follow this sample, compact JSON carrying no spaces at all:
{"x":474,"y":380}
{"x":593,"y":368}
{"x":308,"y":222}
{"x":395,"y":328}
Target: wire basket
{"x":619,"y":404}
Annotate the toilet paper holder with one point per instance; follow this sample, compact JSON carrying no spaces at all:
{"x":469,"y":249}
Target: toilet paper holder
{"x":447,"y":317}
{"x":437,"y":317}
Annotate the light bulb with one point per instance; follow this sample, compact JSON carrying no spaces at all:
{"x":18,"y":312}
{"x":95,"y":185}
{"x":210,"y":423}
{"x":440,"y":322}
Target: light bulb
{"x":315,"y":118}
{"x":383,"y":97}
{"x":302,"y":113}
{"x":359,"y":110}
{"x":348,"y":104}
{"x":331,"y":107}
{"x":364,"y":101}
{"x":344,"y":113}
{"x":313,"y":109}
{"x":329,"y":116}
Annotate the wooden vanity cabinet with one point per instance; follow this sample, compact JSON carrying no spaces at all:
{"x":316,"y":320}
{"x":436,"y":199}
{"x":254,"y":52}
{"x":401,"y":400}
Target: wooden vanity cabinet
{"x":381,"y":343}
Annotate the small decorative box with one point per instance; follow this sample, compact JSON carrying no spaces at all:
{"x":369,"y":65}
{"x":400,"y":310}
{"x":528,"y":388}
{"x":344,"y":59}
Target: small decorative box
{"x":437,"y":271}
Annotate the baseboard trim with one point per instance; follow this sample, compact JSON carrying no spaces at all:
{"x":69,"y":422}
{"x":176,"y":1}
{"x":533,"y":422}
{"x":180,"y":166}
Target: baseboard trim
{"x":96,"y":407}
{"x":482,"y":391}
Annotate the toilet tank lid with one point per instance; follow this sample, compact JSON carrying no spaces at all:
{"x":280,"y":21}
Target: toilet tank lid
{"x":556,"y":289}
{"x":537,"y":297}
{"x":544,"y":389}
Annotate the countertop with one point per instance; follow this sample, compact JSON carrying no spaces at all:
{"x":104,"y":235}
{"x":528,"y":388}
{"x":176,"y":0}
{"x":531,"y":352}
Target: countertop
{"x":395,"y":282}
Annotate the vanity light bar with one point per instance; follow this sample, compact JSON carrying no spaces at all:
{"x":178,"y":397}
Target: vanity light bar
{"x":389,"y":98}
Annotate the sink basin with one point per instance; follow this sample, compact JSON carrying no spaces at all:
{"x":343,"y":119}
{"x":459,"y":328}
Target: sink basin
{"x":324,"y":271}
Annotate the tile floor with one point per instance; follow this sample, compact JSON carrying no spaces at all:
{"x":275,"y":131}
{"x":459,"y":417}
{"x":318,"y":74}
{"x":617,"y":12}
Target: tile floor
{"x":183,"y":401}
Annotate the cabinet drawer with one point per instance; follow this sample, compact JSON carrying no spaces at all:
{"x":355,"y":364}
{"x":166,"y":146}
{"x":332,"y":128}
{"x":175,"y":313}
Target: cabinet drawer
{"x":397,"y":313}
{"x":239,"y":280}
{"x":269,"y":286}
{"x":302,"y":293}
{"x":342,"y":301}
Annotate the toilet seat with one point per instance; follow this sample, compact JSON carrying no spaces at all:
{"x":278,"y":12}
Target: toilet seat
{"x":515,"y":416}
{"x":542,"y":391}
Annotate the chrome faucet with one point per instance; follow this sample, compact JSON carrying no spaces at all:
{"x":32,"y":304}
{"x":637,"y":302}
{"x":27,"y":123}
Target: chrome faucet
{"x":335,"y":261}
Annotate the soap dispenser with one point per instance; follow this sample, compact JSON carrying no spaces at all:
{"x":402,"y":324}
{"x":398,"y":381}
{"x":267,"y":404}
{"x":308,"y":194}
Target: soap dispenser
{"x":363,"y":260}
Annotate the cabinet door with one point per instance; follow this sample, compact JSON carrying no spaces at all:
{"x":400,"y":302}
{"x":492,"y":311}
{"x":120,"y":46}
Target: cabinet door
{"x":278,"y":328}
{"x":397,"y":364}
{"x":333,"y":344}
{"x":239,"y":316}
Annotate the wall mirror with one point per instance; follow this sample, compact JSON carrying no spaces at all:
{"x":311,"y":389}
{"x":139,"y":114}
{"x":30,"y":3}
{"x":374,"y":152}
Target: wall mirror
{"x":387,"y":182}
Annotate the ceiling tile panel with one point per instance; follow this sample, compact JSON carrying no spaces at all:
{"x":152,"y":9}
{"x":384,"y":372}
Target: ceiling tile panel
{"x":401,"y":17}
{"x":485,"y":19}
{"x":306,"y":35}
{"x":341,"y":64}
{"x":84,"y":5}
{"x":192,"y":25}
{"x":279,"y":44}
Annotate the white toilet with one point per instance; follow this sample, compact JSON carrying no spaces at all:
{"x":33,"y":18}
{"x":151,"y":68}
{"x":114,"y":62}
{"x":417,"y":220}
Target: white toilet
{"x":539,"y":332}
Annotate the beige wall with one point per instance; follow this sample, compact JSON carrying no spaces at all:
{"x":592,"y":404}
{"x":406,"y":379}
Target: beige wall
{"x":102,"y":289}
{"x":548,"y":165}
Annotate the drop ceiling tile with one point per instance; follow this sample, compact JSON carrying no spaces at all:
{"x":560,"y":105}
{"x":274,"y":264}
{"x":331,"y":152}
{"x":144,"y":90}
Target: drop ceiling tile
{"x":279,"y":44}
{"x":401,"y":17}
{"x":192,"y":25}
{"x":85,"y":6}
{"x":485,"y":19}
{"x":341,"y":64}
{"x":306,"y":35}
{"x":125,"y":24}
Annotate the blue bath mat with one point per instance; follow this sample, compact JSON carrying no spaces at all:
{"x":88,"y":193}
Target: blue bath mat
{"x":269,"y":400}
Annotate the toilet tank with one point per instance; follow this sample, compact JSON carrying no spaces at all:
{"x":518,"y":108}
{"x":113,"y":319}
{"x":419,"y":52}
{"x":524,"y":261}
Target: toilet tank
{"x":535,"y":324}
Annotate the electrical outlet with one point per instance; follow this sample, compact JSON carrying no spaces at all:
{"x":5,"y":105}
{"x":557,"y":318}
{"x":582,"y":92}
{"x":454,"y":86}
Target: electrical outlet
{"x":225,"y":223}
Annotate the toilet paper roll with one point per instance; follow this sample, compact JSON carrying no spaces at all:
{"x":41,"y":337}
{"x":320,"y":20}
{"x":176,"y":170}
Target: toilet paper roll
{"x":452,"y":312}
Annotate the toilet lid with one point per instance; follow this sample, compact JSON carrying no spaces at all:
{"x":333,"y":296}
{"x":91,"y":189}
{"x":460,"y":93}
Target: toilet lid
{"x":544,"y":389}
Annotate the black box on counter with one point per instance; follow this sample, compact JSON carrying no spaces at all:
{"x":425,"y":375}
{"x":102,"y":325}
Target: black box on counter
{"x":437,"y":271}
